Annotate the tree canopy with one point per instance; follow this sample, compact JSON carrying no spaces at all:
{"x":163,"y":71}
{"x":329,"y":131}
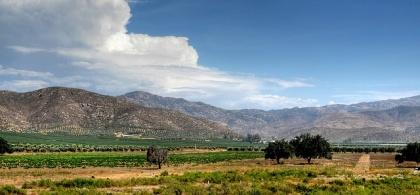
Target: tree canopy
{"x":253,"y":138}
{"x":4,"y":146}
{"x":277,"y":150}
{"x":308,"y":147}
{"x":410,"y":153}
{"x":157,"y":156}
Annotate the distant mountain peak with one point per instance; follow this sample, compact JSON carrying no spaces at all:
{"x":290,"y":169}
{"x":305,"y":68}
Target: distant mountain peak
{"x":368,"y":121}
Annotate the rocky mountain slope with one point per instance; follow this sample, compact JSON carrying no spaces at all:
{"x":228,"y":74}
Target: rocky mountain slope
{"x":77,"y":111}
{"x":389,"y":120}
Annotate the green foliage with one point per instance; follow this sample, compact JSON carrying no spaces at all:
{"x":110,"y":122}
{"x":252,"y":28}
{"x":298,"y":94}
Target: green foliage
{"x":259,"y":181}
{"x":308,"y":147}
{"x":32,"y":142}
{"x":253,"y":138}
{"x":157,"y":156}
{"x":114,"y":159}
{"x":278,"y":149}
{"x":399,"y":158}
{"x":9,"y":189}
{"x":360,"y":149}
{"x":4,"y":146}
{"x":410,"y":153}
{"x":164,"y":173}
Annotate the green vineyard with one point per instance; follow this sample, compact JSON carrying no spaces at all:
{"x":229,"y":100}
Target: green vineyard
{"x":114,"y":159}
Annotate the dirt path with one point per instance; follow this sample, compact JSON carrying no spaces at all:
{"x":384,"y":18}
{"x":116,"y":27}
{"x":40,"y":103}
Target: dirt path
{"x":363,"y":165}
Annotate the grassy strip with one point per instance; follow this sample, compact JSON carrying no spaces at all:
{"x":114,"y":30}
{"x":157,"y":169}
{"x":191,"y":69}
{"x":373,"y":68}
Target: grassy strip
{"x":114,"y":159}
{"x":282,"y":181}
{"x":217,"y":177}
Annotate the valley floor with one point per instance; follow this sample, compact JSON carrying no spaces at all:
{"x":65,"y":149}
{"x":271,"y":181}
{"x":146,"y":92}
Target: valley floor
{"x":347,"y":173}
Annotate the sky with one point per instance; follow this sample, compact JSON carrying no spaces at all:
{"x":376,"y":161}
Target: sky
{"x":234,"y":54}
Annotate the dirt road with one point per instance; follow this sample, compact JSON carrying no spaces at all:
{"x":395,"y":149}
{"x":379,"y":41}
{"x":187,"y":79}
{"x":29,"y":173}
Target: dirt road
{"x":363,"y":165}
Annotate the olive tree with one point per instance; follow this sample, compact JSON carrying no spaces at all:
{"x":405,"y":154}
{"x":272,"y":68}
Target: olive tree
{"x":157,"y":156}
{"x":410,"y":153}
{"x":277,"y":150}
{"x":253,"y":138}
{"x":4,"y":146}
{"x":308,"y":147}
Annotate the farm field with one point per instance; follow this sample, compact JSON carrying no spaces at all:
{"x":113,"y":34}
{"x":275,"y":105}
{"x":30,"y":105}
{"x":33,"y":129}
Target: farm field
{"x":115,"y":159}
{"x":65,"y":139}
{"x":235,"y":173}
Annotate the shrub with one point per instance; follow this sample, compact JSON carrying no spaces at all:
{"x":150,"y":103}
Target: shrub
{"x":9,"y":189}
{"x":5,"y":147}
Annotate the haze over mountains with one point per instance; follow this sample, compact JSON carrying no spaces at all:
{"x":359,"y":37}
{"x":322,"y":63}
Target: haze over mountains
{"x":76,"y":111}
{"x":381,"y":121}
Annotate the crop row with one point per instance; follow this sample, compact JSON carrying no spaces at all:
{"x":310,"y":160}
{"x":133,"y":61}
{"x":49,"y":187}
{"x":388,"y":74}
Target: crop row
{"x":43,"y":148}
{"x":114,"y":159}
{"x":365,"y":149}
{"x":40,"y":148}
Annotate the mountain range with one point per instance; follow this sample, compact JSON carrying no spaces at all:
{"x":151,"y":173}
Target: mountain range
{"x":380,"y":121}
{"x":76,"y":111}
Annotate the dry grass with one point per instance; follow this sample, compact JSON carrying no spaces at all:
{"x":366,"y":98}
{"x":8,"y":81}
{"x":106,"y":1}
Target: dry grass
{"x":381,"y":164}
{"x":18,"y":176}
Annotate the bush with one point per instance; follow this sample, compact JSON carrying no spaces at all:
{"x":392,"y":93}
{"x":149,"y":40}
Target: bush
{"x":8,"y":189}
{"x":164,"y":173}
{"x":5,"y":147}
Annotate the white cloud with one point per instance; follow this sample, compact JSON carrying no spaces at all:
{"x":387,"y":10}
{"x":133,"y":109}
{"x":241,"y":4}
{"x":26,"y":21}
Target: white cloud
{"x":91,"y":37}
{"x":91,"y":30}
{"x":23,"y":85}
{"x":367,"y":96}
{"x":23,"y":73}
{"x":291,"y":83}
{"x":332,"y":102}
{"x":61,"y":23}
{"x":26,"y":50}
{"x":276,"y":101}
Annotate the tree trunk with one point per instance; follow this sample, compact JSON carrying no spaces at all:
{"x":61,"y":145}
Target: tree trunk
{"x":159,"y":164}
{"x":309,"y":160}
{"x":278,"y":160}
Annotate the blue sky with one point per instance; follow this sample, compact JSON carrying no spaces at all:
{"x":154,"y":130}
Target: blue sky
{"x":342,"y":46}
{"x":278,"y":53}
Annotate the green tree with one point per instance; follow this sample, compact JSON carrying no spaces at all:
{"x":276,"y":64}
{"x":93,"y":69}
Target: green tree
{"x":410,"y":153}
{"x":4,"y":146}
{"x":157,"y":156}
{"x":308,"y":147}
{"x":277,"y":150}
{"x":399,"y":158}
{"x":253,"y":138}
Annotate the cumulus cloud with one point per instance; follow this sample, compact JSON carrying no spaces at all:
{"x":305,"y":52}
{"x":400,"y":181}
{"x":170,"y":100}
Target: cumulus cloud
{"x":61,"y":23}
{"x":93,"y":30}
{"x":91,"y":36}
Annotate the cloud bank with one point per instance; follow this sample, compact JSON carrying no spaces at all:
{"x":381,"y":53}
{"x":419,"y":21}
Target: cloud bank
{"x":90,"y":37}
